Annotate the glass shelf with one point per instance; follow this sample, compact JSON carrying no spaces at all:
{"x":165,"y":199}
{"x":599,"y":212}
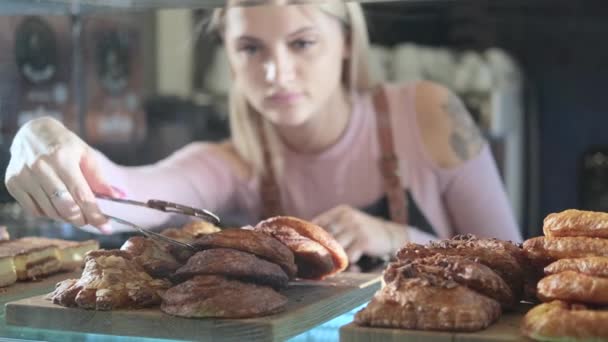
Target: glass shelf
{"x":8,"y":7}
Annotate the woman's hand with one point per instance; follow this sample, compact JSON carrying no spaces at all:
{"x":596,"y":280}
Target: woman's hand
{"x":53,"y":173}
{"x":360,"y":233}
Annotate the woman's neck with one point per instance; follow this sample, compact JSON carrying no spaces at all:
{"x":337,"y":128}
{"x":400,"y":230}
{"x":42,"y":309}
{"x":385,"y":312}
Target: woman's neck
{"x":323,"y":129}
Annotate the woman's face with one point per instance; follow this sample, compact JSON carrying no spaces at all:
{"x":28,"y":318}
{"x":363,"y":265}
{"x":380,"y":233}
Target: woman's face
{"x":286,"y":59}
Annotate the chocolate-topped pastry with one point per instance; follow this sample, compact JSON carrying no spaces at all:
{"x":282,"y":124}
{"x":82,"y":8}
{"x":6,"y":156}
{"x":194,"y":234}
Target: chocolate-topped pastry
{"x":217,"y":296}
{"x":233,"y":264}
{"x":257,"y":243}
{"x":464,"y":271}
{"x":428,"y":302}
{"x":489,"y":252}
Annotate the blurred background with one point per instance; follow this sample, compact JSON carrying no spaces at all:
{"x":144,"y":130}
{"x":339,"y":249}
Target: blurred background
{"x":138,"y":82}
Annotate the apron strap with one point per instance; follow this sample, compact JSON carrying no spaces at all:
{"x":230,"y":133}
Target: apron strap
{"x":389,"y":163}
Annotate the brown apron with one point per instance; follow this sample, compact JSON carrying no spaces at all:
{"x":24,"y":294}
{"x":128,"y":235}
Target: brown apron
{"x":389,"y":167}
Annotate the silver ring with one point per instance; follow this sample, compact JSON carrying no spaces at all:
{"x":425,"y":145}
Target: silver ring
{"x":59,"y":193}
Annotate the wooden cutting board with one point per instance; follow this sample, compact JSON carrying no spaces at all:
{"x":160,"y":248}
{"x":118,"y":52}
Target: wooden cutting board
{"x":505,"y":329}
{"x":309,"y":305}
{"x":23,"y":289}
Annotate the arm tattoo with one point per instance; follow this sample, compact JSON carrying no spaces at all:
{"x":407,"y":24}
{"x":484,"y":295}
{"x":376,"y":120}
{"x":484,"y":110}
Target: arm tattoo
{"x":465,"y":139}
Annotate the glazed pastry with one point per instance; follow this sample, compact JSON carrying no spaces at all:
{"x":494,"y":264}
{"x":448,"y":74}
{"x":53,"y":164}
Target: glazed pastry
{"x":576,"y":223}
{"x":233,"y":264}
{"x":560,"y":321}
{"x":191,"y":231}
{"x":110,"y":280}
{"x":217,"y":296}
{"x":464,"y":271}
{"x":594,"y":266}
{"x":152,"y":256}
{"x":571,"y":286}
{"x":545,"y":250}
{"x":317,"y":253}
{"x":428,"y":303}
{"x":250,"y":241}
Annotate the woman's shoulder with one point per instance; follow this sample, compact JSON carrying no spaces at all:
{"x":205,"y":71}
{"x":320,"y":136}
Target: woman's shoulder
{"x":447,"y":131}
{"x":222,"y":152}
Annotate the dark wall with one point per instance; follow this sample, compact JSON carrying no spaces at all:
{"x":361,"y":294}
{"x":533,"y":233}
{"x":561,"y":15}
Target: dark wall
{"x":561,"y":47}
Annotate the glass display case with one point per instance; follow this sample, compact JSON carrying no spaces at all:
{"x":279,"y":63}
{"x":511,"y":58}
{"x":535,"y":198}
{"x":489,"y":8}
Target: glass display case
{"x":140,"y":79}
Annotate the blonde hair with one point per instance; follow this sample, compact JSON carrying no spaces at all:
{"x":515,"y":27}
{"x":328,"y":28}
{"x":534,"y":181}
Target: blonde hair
{"x":244,"y":119}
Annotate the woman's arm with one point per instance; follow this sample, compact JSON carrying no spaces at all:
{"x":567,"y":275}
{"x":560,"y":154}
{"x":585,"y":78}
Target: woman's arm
{"x":472,"y":188}
{"x":200,"y":175}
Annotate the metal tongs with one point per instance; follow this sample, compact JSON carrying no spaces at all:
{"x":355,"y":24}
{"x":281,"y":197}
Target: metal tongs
{"x":164,"y":206}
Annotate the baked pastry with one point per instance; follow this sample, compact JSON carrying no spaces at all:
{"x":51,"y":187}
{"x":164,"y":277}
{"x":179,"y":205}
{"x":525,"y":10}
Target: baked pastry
{"x":70,"y":253}
{"x":250,"y":241}
{"x":492,"y":254}
{"x":217,"y":296}
{"x":191,"y":231}
{"x":8,"y":275}
{"x":187,"y":234}
{"x":545,"y":250}
{"x":428,"y":303}
{"x":560,"y":321}
{"x":233,"y":264}
{"x":464,"y":271}
{"x":152,"y":256}
{"x":32,"y":259}
{"x":574,"y":222}
{"x":110,"y":280}
{"x":317,"y":253}
{"x":571,"y":286}
{"x":594,"y":266}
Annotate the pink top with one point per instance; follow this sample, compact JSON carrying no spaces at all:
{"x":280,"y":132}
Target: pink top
{"x":466,"y":199}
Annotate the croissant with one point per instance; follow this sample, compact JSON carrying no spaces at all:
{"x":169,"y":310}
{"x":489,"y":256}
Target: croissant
{"x":574,"y":287}
{"x":545,"y":250}
{"x":560,"y":321}
{"x":594,"y":266}
{"x":576,"y":223}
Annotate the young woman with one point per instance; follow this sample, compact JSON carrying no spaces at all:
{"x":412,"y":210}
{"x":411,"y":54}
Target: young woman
{"x":312,"y":137}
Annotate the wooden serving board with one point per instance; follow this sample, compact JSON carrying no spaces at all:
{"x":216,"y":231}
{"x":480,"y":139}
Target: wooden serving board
{"x":505,"y":329}
{"x":310,"y":304}
{"x":23,"y":289}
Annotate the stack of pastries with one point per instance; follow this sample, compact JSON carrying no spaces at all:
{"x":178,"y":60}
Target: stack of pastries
{"x":574,"y":255}
{"x":461,"y":284}
{"x":231,"y":273}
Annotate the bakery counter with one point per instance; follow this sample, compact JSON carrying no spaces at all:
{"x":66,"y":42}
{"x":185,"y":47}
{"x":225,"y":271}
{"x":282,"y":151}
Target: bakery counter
{"x":327,"y":331}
